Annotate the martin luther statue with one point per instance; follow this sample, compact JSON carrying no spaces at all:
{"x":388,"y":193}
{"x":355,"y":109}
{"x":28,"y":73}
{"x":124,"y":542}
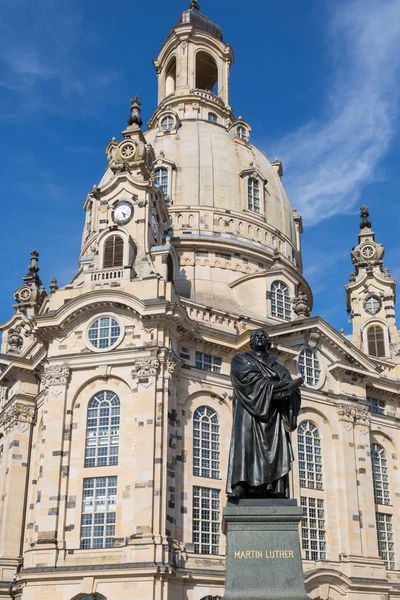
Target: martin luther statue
{"x":266,"y":403}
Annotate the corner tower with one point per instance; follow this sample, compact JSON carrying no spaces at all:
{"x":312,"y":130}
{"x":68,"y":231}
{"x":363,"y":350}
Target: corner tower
{"x":371,"y":297}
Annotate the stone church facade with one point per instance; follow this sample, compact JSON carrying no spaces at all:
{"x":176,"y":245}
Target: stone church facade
{"x":115,"y":396}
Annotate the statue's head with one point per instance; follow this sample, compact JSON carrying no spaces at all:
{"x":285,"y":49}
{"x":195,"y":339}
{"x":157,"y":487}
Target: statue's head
{"x":260,"y":340}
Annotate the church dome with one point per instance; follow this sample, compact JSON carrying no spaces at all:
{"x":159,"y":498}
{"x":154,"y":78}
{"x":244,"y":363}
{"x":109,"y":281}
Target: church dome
{"x":212,"y":167}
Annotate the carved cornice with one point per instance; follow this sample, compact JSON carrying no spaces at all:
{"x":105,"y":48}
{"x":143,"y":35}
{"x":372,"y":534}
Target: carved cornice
{"x":18,"y":414}
{"x":55,"y":375}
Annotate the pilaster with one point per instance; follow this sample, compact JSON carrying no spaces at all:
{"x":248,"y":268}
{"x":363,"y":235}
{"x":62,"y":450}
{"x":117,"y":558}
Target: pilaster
{"x":15,"y":425}
{"x":54,"y":463}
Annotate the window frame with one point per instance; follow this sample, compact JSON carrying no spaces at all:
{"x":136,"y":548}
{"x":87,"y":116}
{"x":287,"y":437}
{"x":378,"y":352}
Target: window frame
{"x":314,"y":475}
{"x":87,"y":340}
{"x":108,"y":239}
{"x":381,"y":469}
{"x":275,"y":299}
{"x":318,"y":383}
{"x":306,"y":502}
{"x":214,"y":523}
{"x":111,"y":457}
{"x":214,"y":368}
{"x":253,"y":195}
{"x":170,"y":119}
{"x":108,"y":540}
{"x":204,"y":452}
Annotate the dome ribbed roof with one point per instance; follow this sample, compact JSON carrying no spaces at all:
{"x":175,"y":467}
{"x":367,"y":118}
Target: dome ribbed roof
{"x":192,"y":16}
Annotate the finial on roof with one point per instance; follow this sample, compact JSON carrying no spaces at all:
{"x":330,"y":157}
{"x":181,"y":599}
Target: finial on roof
{"x":33,"y":269}
{"x":194,"y":5}
{"x":53,"y":285}
{"x":364,"y":214}
{"x":135,"y":112}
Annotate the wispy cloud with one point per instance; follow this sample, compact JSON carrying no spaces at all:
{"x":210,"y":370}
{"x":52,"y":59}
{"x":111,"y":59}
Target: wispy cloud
{"x":45,"y":54}
{"x":330,"y":159}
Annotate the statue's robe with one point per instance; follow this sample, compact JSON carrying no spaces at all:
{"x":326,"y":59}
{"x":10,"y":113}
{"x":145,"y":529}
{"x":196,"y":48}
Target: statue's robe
{"x":261,"y":453}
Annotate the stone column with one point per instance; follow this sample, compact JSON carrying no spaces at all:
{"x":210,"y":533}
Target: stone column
{"x":55,"y":381}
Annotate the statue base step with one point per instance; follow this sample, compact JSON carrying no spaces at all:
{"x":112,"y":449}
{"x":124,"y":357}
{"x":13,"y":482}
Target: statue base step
{"x":263,"y":558}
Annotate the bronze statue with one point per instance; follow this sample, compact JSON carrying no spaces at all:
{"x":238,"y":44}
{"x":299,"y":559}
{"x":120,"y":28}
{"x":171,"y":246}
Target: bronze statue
{"x":266,"y":403}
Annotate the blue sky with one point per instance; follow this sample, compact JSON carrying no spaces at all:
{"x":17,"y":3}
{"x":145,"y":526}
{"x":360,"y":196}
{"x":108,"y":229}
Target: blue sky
{"x":318,"y":81}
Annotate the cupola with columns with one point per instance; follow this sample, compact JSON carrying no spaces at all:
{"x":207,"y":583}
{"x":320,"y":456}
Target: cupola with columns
{"x":371,"y":296}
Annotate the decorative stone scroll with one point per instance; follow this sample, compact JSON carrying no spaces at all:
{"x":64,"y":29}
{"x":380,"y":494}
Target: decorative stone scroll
{"x":173,"y":364}
{"x":354,"y":416}
{"x":346,"y":414}
{"x":55,"y":377}
{"x":145,"y":367}
{"x":18,"y":415}
{"x":363,"y":419}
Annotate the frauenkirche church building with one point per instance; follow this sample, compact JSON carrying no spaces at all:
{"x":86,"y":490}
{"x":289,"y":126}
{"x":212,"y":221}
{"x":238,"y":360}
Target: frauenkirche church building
{"x":115,"y":395}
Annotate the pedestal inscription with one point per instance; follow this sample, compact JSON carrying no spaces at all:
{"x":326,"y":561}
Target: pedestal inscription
{"x":263,"y":550}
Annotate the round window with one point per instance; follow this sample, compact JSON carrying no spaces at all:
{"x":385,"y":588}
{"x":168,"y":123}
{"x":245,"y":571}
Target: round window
{"x":372,"y":305}
{"x":167,"y":123}
{"x":105,"y":333}
{"x":309,"y":367}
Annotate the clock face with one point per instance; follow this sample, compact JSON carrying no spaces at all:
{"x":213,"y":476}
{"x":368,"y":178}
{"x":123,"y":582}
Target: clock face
{"x":154,"y":224}
{"x":368,"y":251}
{"x":25,"y":294}
{"x":123,"y":212}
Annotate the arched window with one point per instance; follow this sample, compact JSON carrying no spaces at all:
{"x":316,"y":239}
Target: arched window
{"x":205,"y":443}
{"x":380,"y":475}
{"x":113,"y":252}
{"x":170,"y":77}
{"x":102,"y":433}
{"x":309,"y":366}
{"x":91,"y":597}
{"x":212,"y":117}
{"x":310,"y":459}
{"x":280,"y":301}
{"x":376,"y":341}
{"x":253,"y":195}
{"x":161,"y":180}
{"x":206,"y":72}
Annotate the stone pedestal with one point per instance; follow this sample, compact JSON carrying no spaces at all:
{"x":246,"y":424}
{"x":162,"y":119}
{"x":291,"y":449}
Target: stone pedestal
{"x":263,"y":550}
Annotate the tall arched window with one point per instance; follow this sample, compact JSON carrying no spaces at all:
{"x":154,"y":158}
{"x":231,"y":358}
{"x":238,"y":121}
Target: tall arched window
{"x":380,"y":475}
{"x":205,"y":443}
{"x":113,"y":252}
{"x":206,"y":72}
{"x":170,"y":77}
{"x":310,"y":459}
{"x":161,"y":180}
{"x":376,"y":341}
{"x":280,"y":301}
{"x":102,"y":433}
{"x":253,"y":195}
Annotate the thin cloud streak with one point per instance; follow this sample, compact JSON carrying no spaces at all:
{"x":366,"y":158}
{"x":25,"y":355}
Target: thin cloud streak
{"x":328,"y":161}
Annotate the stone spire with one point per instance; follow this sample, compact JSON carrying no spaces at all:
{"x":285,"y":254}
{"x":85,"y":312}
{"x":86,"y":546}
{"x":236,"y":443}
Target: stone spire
{"x":31,"y":294}
{"x":367,"y":255}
